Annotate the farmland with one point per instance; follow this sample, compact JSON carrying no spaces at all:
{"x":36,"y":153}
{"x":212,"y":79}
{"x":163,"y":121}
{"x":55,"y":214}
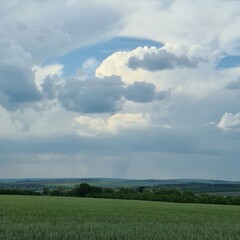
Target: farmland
{"x":32,"y":217}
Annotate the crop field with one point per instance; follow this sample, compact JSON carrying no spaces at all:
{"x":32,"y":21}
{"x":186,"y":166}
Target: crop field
{"x":37,"y":218}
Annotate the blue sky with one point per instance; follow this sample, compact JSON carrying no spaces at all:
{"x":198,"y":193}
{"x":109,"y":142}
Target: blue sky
{"x":128,"y":93}
{"x":99,"y":51}
{"x":229,"y":62}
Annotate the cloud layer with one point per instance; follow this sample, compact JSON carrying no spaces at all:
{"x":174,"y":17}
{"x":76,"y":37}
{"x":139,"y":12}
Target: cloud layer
{"x":154,"y":102}
{"x":56,"y":27}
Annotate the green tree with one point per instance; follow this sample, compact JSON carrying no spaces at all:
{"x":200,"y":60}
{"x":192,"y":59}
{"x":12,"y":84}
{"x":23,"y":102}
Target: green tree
{"x":83,"y":189}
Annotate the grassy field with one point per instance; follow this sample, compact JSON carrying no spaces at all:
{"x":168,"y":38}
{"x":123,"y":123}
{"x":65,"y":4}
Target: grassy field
{"x":29,"y":218}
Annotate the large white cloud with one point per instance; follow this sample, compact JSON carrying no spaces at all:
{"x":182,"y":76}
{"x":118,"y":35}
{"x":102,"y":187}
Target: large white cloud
{"x":197,"y":80}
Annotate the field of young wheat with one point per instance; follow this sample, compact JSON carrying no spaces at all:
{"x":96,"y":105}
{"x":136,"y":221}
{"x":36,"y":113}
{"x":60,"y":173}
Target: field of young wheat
{"x":37,"y":218}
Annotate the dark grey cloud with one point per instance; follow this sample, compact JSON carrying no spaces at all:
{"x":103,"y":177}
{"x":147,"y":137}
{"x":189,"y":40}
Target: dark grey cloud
{"x":233,"y":85}
{"x":49,"y":87}
{"x":93,"y":95}
{"x":34,"y":38}
{"x":102,"y":95}
{"x":163,"y":94}
{"x":162,"y":60}
{"x":17,"y":87}
{"x":144,"y":92}
{"x":140,"y":92}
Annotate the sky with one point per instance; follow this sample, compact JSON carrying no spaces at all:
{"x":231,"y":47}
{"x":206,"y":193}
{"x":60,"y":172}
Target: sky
{"x":135,"y":89}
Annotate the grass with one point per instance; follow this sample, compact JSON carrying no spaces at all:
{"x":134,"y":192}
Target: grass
{"x":33,"y":218}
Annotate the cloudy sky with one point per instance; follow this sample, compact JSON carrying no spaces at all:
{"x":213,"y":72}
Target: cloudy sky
{"x":117,"y":88}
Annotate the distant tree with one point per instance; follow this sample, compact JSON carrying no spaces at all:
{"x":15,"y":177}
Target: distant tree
{"x":83,"y":189}
{"x":97,"y":190}
{"x":204,"y":198}
{"x":188,"y":197}
{"x":109,"y":190}
{"x":59,"y":191}
{"x":125,"y":190}
{"x":141,"y":189}
{"x":46,"y":190}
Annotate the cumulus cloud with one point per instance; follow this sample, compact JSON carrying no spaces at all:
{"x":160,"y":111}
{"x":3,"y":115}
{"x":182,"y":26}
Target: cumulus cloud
{"x":198,"y":82}
{"x":92,"y":95}
{"x":49,"y":87}
{"x":17,"y":86}
{"x":88,"y":126}
{"x":161,"y":60}
{"x":161,"y":95}
{"x":230,"y":121}
{"x":141,"y":92}
{"x":42,"y":72}
{"x":168,"y":57}
{"x":104,"y":95}
{"x":233,"y":84}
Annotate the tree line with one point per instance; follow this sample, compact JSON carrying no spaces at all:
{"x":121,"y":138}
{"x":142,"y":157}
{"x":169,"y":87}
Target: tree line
{"x":163,"y":194}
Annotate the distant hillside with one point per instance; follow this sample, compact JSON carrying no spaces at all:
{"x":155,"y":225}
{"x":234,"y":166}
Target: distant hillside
{"x":219,"y":187}
{"x":114,"y":182}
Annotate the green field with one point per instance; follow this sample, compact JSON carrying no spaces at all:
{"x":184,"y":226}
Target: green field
{"x":29,"y":218}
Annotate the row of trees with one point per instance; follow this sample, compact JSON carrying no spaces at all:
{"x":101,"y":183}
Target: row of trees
{"x":147,"y":194}
{"x":140,"y":193}
{"x":19,"y":192}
